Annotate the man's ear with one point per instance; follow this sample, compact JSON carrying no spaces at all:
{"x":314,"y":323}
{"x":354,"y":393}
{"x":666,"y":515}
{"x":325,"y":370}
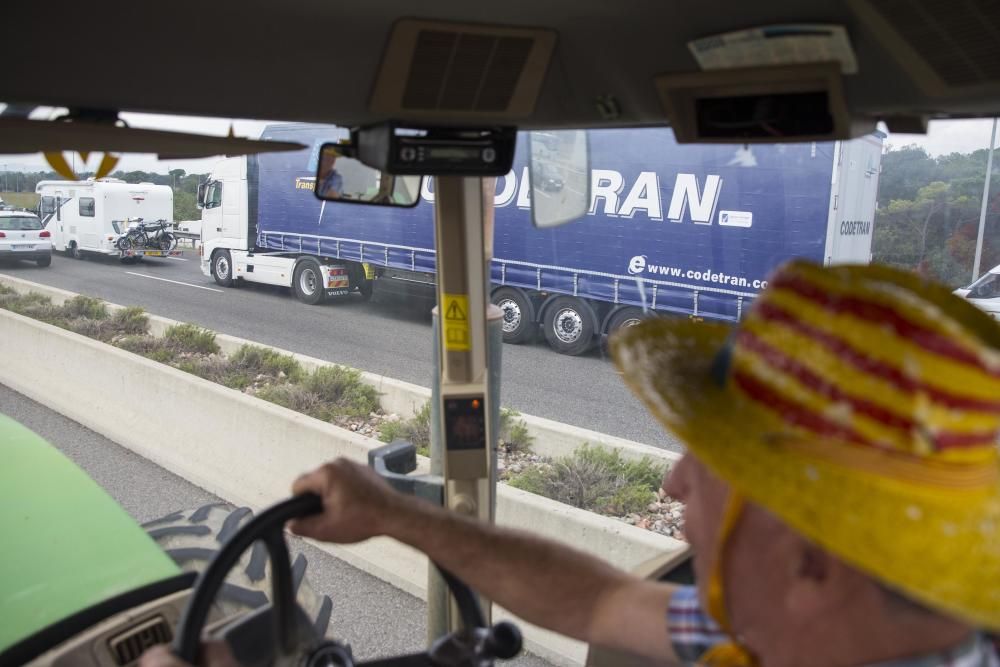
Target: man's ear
{"x":818,"y":581}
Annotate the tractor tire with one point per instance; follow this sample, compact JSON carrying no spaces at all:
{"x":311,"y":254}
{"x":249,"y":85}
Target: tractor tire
{"x":192,"y":538}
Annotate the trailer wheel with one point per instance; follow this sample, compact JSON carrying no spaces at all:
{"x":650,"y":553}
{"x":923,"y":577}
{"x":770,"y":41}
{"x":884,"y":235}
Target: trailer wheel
{"x":192,"y":538}
{"x":366,"y":288}
{"x":569,"y":325}
{"x":518,"y":315}
{"x":74,"y":250}
{"x":307,"y":281}
{"x":625,"y":317}
{"x":222,"y":268}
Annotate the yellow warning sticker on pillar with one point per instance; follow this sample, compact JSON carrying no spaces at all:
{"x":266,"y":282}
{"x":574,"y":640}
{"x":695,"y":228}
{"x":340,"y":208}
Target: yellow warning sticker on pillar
{"x":456,"y":322}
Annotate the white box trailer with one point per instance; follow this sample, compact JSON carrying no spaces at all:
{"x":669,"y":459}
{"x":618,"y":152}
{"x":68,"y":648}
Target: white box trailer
{"x":89,"y":216}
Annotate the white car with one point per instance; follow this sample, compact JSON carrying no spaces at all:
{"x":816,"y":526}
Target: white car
{"x":22,"y":237}
{"x":985,"y":292}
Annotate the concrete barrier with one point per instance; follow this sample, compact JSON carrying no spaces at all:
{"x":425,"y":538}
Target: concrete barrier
{"x":551,"y":438}
{"x":247,"y":451}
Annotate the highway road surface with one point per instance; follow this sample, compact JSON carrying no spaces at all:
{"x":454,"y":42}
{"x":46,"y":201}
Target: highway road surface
{"x":388,"y":336}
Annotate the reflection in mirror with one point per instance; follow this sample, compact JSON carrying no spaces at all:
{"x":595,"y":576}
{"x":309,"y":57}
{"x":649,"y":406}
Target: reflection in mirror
{"x":342,"y":178}
{"x":559,"y":168}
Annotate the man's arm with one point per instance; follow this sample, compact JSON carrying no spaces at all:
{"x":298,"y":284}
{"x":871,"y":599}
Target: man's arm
{"x":544,"y":582}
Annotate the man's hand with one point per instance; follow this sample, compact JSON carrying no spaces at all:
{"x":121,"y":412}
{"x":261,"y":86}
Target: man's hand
{"x":357,"y":503}
{"x":213,"y":654}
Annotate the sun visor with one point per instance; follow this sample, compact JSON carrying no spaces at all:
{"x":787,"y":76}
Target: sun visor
{"x":768,"y":104}
{"x":948,"y":49}
{"x":18,"y":135}
{"x":434,"y":69}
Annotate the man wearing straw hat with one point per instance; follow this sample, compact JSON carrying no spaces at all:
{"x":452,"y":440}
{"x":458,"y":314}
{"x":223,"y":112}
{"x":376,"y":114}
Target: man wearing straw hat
{"x":841,"y":484}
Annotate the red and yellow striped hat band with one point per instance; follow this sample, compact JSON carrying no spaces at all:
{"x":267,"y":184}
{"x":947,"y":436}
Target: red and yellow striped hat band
{"x":871,"y":365}
{"x":860,"y":405}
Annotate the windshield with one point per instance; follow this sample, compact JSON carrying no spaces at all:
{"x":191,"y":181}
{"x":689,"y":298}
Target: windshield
{"x":987,"y":287}
{"x":268,"y":331}
{"x":19,"y":223}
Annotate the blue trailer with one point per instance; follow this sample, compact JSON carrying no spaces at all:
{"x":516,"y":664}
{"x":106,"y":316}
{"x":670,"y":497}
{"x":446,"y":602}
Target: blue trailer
{"x":690,"y":230}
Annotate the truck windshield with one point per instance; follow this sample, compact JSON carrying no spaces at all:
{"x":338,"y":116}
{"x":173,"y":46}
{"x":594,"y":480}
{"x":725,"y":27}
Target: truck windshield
{"x":987,"y":287}
{"x":19,"y":223}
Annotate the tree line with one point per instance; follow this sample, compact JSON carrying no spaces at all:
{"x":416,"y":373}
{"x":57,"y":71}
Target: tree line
{"x":185,"y":185}
{"x":926,"y":221}
{"x":928,"y":213}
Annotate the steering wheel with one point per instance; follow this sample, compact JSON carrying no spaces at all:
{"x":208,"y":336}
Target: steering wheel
{"x":280,"y":631}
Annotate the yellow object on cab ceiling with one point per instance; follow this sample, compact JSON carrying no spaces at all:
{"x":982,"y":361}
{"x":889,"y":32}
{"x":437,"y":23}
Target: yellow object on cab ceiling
{"x":90,"y":131}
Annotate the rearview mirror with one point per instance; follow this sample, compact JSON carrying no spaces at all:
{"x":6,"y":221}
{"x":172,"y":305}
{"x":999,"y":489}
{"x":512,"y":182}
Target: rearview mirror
{"x":342,"y":178}
{"x":559,"y":171}
{"x":202,"y":188}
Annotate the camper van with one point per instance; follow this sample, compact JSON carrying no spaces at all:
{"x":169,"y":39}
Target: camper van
{"x":89,"y":216}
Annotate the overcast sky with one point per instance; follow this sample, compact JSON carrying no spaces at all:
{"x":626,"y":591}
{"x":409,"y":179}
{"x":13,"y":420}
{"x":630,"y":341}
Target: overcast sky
{"x":962,"y":136}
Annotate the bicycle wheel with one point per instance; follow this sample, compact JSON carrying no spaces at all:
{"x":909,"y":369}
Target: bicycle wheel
{"x":167,"y":242}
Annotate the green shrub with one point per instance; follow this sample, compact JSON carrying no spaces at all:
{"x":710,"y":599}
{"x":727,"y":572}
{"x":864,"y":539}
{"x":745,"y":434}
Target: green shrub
{"x":85,"y":307}
{"x":89,"y":328}
{"x":326,"y":393}
{"x":597,"y":479}
{"x":253,"y":360}
{"x":514,"y":432}
{"x":192,"y":339}
{"x":416,"y":430}
{"x":296,"y":397}
{"x":216,"y":369}
{"x":343,"y":389}
{"x":130,"y":321}
{"x":26,"y":304}
{"x":156,"y":349}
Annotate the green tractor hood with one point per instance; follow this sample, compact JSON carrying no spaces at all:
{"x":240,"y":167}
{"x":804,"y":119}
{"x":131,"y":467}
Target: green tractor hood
{"x":67,"y":545}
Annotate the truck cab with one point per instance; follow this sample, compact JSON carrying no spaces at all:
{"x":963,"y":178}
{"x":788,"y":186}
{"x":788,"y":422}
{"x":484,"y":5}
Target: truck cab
{"x":229,"y":250}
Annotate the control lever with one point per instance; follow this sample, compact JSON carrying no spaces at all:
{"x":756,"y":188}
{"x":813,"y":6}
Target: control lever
{"x":476,"y":643}
{"x":394,"y":462}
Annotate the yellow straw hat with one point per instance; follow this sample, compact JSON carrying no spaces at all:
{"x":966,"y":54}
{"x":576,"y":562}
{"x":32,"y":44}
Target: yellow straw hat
{"x":861,"y":405}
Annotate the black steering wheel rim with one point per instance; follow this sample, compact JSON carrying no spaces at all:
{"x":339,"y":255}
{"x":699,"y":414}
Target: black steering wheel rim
{"x":268,"y":527}
{"x":503,"y":640}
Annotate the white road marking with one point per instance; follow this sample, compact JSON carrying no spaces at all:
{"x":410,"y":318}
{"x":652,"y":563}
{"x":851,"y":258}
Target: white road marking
{"x":176,"y":282}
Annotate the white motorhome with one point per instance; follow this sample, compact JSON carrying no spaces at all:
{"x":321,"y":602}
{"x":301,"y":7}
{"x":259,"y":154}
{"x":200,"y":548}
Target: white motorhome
{"x":89,"y":216}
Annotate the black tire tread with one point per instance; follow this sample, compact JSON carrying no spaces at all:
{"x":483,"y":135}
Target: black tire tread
{"x":322,"y":621}
{"x":170,"y":518}
{"x":192,"y":539}
{"x":529,"y":325}
{"x":201,"y":513}
{"x":232,"y":523}
{"x":256,"y":568}
{"x":169,"y":531}
{"x":320,"y":294}
{"x":586,"y":342}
